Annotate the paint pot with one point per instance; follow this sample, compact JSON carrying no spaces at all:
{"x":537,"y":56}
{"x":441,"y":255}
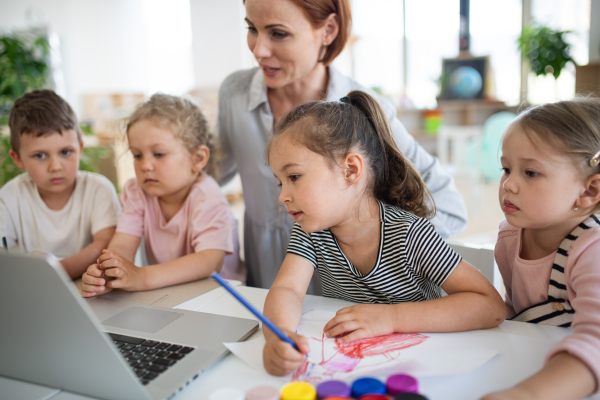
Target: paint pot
{"x":298,"y":391}
{"x":336,"y":398}
{"x":364,"y":386}
{"x":410,"y":396}
{"x":374,"y":397}
{"x":401,"y":383}
{"x":263,"y":393}
{"x":227,"y":394}
{"x":333,"y":388}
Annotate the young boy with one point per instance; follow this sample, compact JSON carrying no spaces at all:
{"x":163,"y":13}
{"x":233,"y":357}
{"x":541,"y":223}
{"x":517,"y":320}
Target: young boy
{"x":54,"y":208}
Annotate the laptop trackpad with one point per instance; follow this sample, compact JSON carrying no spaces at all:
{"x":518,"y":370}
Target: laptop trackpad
{"x":142,"y":319}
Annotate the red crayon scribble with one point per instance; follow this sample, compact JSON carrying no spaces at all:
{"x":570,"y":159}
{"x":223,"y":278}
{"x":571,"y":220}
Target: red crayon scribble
{"x":379,"y":345}
{"x":347,"y":356}
{"x":300,"y":371}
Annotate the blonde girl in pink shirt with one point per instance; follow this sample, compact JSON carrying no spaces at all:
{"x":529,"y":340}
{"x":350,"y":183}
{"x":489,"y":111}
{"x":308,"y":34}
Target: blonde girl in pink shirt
{"x":173,"y":204}
{"x":548,"y":248}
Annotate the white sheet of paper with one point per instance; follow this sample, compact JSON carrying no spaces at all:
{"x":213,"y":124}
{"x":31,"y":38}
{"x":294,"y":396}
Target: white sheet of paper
{"x":416,"y":354}
{"x":250,"y":352}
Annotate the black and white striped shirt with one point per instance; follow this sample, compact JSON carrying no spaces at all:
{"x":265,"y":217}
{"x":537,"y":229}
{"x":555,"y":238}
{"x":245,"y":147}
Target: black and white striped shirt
{"x":412,"y":262}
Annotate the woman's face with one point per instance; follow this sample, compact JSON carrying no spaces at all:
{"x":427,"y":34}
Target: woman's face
{"x":284,"y":42}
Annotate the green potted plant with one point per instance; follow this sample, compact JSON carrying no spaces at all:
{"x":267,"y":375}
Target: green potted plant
{"x":546,"y":49}
{"x":24,"y":67}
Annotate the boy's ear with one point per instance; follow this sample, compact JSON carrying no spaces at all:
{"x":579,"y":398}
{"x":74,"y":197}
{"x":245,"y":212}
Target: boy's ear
{"x":353,"y":166}
{"x":16,"y":158}
{"x":80,"y":150}
{"x":591,"y":195}
{"x":200,"y":158}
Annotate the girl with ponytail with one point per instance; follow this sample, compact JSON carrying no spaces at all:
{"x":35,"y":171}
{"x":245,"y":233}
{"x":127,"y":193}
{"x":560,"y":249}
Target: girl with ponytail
{"x":361,"y":214}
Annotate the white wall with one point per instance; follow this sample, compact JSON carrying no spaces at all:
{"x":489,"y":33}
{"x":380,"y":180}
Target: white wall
{"x":218,"y":40}
{"x":101,"y":41}
{"x":595,"y":31}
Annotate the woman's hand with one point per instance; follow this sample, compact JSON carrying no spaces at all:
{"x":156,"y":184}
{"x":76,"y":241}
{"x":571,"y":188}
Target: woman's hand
{"x":362,"y":321}
{"x":94,"y":282}
{"x":125,"y":275}
{"x":280,"y":358}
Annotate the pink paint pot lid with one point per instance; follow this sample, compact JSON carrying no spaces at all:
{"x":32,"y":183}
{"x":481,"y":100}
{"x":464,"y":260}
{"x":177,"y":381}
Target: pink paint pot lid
{"x":336,"y":398}
{"x":401,"y":383}
{"x":333,"y":388}
{"x":263,"y":393}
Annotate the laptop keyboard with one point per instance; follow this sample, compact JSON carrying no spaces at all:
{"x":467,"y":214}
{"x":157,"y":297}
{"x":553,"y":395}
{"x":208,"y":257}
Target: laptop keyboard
{"x":149,"y":358}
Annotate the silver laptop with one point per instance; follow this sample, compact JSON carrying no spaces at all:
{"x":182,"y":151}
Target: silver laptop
{"x":108,"y":349}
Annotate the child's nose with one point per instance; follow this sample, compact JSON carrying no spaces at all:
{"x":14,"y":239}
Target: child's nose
{"x":55,"y":164}
{"x":284,"y":196}
{"x":509,"y":185}
{"x":147,"y":165}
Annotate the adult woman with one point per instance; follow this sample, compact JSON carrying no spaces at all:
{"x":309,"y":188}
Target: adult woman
{"x":294,"y":41}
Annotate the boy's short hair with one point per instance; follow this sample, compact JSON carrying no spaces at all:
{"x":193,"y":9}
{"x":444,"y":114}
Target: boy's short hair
{"x":39,"y":113}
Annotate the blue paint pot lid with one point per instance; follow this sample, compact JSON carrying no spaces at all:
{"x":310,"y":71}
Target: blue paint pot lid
{"x":367,"y":386}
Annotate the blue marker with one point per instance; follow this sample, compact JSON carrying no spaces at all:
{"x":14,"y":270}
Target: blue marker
{"x":253,"y":310}
{"x":4,"y":244}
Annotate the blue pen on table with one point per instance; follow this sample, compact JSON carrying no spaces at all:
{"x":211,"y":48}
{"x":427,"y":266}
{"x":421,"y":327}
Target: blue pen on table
{"x":254,"y":310}
{"x":4,"y":244}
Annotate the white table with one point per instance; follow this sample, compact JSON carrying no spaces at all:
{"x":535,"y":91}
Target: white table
{"x":521,"y":349}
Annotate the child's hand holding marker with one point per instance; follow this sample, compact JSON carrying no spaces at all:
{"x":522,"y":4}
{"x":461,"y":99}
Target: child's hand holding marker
{"x":362,"y":321}
{"x":280,"y":358}
{"x":284,"y":351}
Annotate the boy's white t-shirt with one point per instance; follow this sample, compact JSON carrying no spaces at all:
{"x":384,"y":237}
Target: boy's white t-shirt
{"x":27,"y":222}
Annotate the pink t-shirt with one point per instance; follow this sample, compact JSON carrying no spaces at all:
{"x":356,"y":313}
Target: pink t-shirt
{"x":204,"y":222}
{"x":527,"y":282}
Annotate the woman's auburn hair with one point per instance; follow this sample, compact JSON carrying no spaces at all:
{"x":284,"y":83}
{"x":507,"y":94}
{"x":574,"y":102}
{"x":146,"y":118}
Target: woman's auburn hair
{"x":317,"y":12}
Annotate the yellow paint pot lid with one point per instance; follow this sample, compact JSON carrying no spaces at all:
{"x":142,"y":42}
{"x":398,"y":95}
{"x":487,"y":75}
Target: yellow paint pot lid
{"x":298,"y":391}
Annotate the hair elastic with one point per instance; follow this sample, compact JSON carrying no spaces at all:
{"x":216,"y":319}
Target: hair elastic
{"x":346,"y":100}
{"x":595,"y":160}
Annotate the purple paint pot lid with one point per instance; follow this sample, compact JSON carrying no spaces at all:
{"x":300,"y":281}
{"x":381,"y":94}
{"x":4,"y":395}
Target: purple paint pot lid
{"x":263,"y":393}
{"x":367,"y":386}
{"x":410,"y":396}
{"x":401,"y":383}
{"x":332,"y":388}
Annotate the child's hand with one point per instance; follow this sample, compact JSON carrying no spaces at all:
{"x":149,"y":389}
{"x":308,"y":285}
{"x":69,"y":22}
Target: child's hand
{"x":125,"y":275}
{"x":280,"y":358}
{"x":94,"y":282}
{"x":361,"y":321}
